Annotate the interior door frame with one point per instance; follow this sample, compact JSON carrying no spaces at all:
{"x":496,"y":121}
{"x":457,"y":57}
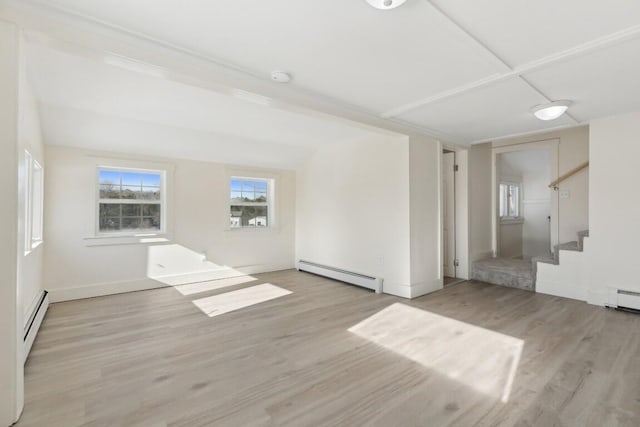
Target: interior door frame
{"x":453,"y":229}
{"x":554,"y":146}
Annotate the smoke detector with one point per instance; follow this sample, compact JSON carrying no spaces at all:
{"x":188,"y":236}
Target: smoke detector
{"x":280,"y":77}
{"x":386,"y":4}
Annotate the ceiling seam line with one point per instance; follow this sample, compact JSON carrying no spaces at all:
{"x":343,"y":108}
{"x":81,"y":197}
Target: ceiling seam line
{"x":547,"y":61}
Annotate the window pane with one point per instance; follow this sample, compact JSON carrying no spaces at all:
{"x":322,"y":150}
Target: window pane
{"x":132,"y":178}
{"x":131,"y":223}
{"x":236,"y":196}
{"x":151,"y":180}
{"x":236,"y":185}
{"x":151,"y":210}
{"x":126,"y":216}
{"x":109,"y":224}
{"x":109,"y":177}
{"x":247,"y":185}
{"x":150,"y":193}
{"x":108,"y":209}
{"x":248,"y":196}
{"x":261,"y":197}
{"x":130,"y":192}
{"x":109,"y":191}
{"x":131,"y":210}
{"x":261,"y":186}
{"x":248,"y":216}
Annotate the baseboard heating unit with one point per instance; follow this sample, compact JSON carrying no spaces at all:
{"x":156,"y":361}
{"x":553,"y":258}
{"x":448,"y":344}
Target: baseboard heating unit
{"x":624,"y":300}
{"x":359,"y":279}
{"x":34,"y":320}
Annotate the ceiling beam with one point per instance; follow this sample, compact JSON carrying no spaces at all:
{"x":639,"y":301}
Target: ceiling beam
{"x":508,"y":71}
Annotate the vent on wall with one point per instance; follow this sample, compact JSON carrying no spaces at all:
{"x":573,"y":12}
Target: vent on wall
{"x":359,"y":279}
{"x":622,"y":299}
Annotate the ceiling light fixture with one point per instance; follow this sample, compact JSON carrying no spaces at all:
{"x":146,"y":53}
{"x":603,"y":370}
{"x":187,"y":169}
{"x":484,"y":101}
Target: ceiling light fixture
{"x":386,"y":4}
{"x":550,"y":111}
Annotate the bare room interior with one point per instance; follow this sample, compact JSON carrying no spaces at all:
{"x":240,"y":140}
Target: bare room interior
{"x":319,"y":213}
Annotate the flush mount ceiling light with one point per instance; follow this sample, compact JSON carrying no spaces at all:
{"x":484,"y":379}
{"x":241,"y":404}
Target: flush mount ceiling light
{"x":386,"y":4}
{"x":550,"y":111}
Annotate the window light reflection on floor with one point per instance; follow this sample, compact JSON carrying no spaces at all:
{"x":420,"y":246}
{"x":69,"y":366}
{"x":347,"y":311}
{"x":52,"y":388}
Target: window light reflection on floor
{"x":235,"y":300}
{"x":482,"y":359}
{"x":210,"y":285}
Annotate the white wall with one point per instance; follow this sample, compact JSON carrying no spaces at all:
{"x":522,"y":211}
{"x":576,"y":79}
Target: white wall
{"x":30,"y":265}
{"x":426,"y":212}
{"x":480,"y":239}
{"x":353,"y":210}
{"x":11,"y":367}
{"x":614,"y":206}
{"x":198,"y":223}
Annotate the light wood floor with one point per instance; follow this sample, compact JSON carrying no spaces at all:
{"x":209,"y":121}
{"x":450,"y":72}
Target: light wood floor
{"x":336,"y":355}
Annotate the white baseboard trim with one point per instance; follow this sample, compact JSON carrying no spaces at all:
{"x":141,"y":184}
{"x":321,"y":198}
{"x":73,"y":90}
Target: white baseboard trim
{"x":599,"y":297}
{"x":423,"y":288}
{"x":397,"y":289}
{"x":112,"y":288}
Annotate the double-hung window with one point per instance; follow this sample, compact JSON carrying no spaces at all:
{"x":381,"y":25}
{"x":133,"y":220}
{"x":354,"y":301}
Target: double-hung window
{"x":130,"y":201}
{"x":509,"y":200}
{"x":250,"y":202}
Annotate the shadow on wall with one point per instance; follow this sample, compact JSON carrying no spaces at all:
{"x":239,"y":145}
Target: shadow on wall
{"x":190,"y":273}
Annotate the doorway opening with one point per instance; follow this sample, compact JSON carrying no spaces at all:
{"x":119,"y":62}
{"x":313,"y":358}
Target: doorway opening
{"x":449,"y":259}
{"x":525,"y":205}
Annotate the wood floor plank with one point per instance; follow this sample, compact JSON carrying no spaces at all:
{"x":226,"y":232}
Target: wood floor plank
{"x":153,"y":358}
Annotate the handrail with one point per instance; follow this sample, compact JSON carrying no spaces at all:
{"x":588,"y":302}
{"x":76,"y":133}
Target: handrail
{"x":554,"y":184}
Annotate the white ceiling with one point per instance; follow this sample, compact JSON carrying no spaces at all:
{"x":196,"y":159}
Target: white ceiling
{"x":88,"y":103}
{"x":469,"y":70}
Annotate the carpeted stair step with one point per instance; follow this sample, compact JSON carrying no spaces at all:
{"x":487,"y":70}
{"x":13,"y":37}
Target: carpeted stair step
{"x":581,"y":235}
{"x":515,"y":273}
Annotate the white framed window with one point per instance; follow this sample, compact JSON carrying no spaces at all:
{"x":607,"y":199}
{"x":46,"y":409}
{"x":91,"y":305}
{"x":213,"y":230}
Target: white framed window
{"x":250,"y":202}
{"x":130,"y":201}
{"x":510,"y":197}
{"x":34,"y":203}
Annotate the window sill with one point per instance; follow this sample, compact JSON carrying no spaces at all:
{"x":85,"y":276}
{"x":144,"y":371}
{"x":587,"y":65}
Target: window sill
{"x":511,"y":221}
{"x":127,"y":239}
{"x":251,"y":230}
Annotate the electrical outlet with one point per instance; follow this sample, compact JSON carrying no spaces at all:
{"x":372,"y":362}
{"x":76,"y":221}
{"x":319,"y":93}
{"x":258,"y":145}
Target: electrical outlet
{"x":564,"y":194}
{"x":380,"y":260}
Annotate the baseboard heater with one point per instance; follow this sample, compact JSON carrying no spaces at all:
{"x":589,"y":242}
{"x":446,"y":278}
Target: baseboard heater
{"x":624,"y":300}
{"x":32,"y":325}
{"x":359,"y":279}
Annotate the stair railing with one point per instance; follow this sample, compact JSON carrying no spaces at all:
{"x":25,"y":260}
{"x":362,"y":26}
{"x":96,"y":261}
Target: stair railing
{"x":554,"y":184}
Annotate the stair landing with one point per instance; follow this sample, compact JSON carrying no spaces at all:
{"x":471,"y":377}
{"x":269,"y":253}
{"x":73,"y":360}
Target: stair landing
{"x":514,"y":273}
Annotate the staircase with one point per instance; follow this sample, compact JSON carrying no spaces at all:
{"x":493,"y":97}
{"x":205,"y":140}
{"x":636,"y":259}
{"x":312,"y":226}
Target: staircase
{"x":521,"y":273}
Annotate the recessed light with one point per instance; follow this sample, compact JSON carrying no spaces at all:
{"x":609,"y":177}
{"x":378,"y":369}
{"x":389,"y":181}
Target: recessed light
{"x":280,"y":77}
{"x":550,"y":111}
{"x":386,"y":4}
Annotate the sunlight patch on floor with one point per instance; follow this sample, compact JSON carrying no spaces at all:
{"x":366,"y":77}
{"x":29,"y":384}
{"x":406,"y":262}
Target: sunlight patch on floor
{"x":177,"y":265}
{"x":235,"y":300}
{"x":210,"y":285}
{"x":482,"y":359}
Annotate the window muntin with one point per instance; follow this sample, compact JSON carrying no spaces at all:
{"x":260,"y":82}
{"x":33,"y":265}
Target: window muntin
{"x":250,"y":200}
{"x":130,"y":201}
{"x":509,"y":200}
